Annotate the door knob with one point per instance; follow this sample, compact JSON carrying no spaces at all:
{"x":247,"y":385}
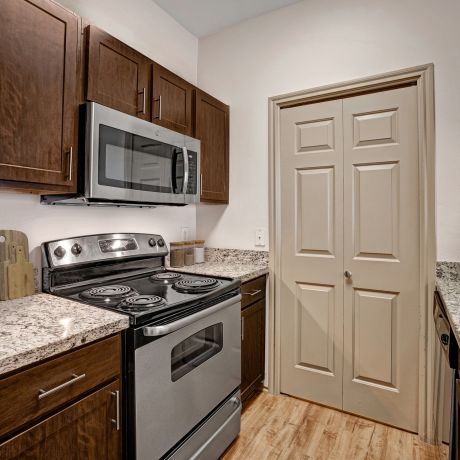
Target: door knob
{"x":348,"y":274}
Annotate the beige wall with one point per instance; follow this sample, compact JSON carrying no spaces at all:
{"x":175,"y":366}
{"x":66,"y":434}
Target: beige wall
{"x":314,"y":43}
{"x":143,"y":25}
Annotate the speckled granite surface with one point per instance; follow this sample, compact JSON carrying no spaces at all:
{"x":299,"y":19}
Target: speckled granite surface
{"x":39,"y":326}
{"x":229,"y":263}
{"x":448,"y":285}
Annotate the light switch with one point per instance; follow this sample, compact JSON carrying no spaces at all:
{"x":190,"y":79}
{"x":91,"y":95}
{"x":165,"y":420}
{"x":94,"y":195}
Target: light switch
{"x":260,"y":236}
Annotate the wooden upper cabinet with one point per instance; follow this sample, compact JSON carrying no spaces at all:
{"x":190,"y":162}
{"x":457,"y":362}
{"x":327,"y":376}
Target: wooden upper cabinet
{"x":38,"y":107}
{"x":117,"y":75}
{"x":212,"y":128}
{"x":172,"y":101}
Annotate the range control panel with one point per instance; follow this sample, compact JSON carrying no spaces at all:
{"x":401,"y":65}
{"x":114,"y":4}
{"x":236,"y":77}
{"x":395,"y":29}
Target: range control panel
{"x":94,"y":248}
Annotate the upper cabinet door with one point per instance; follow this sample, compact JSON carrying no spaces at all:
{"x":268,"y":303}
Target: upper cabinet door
{"x":172,"y":101}
{"x":118,"y":76}
{"x":212,"y":128}
{"x":38,"y":108}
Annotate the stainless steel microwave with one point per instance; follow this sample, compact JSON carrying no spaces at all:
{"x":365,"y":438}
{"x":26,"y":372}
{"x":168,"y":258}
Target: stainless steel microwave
{"x":131,"y":162}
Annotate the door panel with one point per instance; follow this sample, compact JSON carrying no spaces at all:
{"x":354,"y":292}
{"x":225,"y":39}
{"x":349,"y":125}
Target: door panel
{"x":172,"y":101}
{"x":315,"y":202}
{"x":311,"y":259}
{"x":38,"y":70}
{"x":118,"y":76}
{"x":376,"y":205}
{"x":212,"y":129}
{"x":315,"y":328}
{"x":374,"y":314}
{"x":381,"y":249}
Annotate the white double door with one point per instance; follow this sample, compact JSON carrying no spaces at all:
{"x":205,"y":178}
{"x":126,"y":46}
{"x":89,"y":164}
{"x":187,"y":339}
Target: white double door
{"x":349,"y":313}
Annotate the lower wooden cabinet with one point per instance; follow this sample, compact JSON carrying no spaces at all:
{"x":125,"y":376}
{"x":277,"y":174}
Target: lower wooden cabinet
{"x":252,"y":340}
{"x":84,"y":430}
{"x":65,"y":408}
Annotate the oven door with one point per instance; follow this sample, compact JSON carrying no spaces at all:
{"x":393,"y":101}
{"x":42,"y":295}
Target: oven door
{"x":183,"y":375}
{"x":132,"y":160}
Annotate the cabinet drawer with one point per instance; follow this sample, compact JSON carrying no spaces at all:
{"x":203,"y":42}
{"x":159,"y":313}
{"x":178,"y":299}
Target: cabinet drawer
{"x":252,"y":291}
{"x":39,"y":390}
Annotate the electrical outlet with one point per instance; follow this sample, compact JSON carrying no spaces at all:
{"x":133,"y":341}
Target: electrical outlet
{"x":260,"y":236}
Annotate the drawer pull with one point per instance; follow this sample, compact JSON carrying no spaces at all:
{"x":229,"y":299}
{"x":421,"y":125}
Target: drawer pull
{"x":75,"y":378}
{"x":253,"y":293}
{"x":116,"y":421}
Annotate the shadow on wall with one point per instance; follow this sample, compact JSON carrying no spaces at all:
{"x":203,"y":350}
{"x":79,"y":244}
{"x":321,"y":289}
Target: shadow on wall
{"x":207,"y":218}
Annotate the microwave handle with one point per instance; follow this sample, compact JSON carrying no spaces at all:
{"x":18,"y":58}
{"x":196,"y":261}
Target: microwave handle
{"x":186,"y":170}
{"x":174,"y":170}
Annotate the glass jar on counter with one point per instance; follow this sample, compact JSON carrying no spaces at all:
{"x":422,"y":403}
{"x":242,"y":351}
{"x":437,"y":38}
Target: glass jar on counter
{"x":189,"y":247}
{"x":177,"y":254}
{"x":199,"y":251}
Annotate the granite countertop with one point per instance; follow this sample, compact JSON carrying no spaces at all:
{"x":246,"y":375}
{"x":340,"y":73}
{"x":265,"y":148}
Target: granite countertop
{"x":39,"y":326}
{"x":229,"y":263}
{"x":448,"y":285}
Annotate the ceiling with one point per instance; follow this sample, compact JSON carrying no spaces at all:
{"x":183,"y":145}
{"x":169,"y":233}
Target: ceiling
{"x":204,"y":17}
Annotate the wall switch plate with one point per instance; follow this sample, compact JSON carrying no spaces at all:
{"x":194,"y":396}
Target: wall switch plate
{"x":260,"y":236}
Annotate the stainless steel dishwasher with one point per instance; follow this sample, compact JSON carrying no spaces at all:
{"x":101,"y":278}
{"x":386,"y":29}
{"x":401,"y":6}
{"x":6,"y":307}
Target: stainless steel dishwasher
{"x":450,"y":349}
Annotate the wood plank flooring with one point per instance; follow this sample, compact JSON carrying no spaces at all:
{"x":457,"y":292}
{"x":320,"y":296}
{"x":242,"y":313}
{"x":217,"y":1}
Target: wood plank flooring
{"x":285,"y":428}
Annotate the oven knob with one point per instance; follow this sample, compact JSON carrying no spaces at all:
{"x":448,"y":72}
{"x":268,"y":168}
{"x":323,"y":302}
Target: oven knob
{"x":59,"y":252}
{"x":76,"y":249}
{"x":160,"y":242}
{"x":152,"y":242}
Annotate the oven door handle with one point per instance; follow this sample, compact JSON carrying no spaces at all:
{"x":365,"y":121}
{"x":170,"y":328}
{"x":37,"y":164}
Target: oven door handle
{"x":155,"y":331}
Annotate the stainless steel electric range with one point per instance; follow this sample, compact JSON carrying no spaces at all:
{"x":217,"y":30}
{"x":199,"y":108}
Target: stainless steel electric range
{"x":181,"y":354}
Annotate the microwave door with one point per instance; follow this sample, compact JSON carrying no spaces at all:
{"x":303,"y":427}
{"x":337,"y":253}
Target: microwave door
{"x":135,"y":168}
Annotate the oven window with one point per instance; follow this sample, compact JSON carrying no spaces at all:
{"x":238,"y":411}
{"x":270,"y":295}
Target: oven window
{"x":195,"y":350}
{"x":134,"y":162}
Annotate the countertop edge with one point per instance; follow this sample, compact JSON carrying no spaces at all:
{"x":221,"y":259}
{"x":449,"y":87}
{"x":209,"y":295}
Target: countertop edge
{"x":448,"y":308}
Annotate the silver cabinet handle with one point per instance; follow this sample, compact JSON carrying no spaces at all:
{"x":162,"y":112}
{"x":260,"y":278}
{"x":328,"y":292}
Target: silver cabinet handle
{"x":143,"y":101}
{"x":45,"y":393}
{"x":201,"y":184}
{"x":68,"y":176}
{"x":242,"y":328}
{"x":158,"y":99}
{"x":155,"y":331}
{"x":186,"y":169}
{"x":116,"y":421}
{"x":348,"y":274}
{"x":253,"y":293}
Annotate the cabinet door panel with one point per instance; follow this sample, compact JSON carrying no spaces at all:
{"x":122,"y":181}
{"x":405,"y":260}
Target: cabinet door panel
{"x":83,"y":430}
{"x":38,"y":78}
{"x":118,"y":76}
{"x":252,"y":348}
{"x":212,"y":128}
{"x":172,"y":101}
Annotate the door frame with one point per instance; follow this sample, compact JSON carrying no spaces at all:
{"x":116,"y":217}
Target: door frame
{"x":423,"y":78}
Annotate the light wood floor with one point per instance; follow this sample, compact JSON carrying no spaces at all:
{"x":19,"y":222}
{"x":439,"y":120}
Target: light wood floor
{"x":285,"y":428}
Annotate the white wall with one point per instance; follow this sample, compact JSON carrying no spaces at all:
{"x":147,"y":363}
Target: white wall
{"x":144,"y":26}
{"x":313,"y":43}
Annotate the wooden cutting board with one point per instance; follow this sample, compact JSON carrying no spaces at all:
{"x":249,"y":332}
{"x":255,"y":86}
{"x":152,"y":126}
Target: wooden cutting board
{"x":20,"y":275}
{"x":9,"y":239}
